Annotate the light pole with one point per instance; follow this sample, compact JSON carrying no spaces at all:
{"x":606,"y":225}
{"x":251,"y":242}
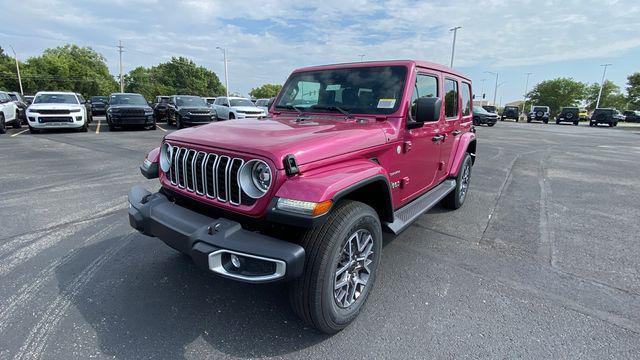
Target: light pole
{"x":495,"y":89}
{"x":499,"y":103}
{"x":453,"y":46}
{"x":226,"y":74}
{"x":120,"y":47}
{"x":361,"y":57}
{"x":15,"y":56}
{"x":604,"y":73}
{"x":524,"y":97}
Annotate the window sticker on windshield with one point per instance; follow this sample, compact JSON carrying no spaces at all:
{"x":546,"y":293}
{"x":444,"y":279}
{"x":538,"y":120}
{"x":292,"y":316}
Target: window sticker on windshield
{"x":333,"y":87}
{"x":386,"y":103}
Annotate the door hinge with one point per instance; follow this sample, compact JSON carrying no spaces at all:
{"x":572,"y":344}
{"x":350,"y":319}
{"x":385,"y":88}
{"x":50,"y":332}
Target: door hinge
{"x":441,"y":165}
{"x":407,"y":146}
{"x":404,"y":182}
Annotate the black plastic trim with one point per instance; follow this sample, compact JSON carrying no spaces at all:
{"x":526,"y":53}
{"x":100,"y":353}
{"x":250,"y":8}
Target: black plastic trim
{"x":150,"y":172}
{"x":198,"y":235}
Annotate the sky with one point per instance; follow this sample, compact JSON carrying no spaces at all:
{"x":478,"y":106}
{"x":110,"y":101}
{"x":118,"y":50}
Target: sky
{"x":266,"y":40}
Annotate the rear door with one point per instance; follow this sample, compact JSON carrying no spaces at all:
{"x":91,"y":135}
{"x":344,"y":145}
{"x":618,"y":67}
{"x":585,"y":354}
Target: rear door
{"x":458,"y":117}
{"x":420,"y":166}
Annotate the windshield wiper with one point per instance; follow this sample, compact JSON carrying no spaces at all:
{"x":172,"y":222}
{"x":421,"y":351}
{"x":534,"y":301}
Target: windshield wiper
{"x":334,"y":108}
{"x":291,"y":107}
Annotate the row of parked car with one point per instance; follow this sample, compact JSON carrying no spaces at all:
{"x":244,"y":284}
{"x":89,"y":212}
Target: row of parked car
{"x":488,"y":114}
{"x":55,"y":110}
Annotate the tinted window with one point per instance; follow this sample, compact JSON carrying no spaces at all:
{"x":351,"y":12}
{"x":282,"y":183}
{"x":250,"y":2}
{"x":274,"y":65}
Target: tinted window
{"x":450,"y":98}
{"x":127,"y":99}
{"x":241,"y":102}
{"x":98,"y":99}
{"x":426,"y":86}
{"x":368,"y":90}
{"x":55,"y":99}
{"x":466,"y":99}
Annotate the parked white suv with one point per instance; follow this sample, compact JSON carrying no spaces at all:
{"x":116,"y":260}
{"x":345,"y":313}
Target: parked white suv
{"x":57,"y":110}
{"x":8,"y":112}
{"x":237,"y":108}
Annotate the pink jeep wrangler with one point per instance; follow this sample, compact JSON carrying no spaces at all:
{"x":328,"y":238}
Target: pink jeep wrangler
{"x":303,"y":196}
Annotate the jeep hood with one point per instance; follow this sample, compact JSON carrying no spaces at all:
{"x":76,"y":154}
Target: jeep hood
{"x":310,"y":140}
{"x":55,"y":106}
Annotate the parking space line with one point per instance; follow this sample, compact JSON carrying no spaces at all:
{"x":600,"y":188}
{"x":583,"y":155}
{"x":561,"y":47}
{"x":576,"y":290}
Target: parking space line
{"x":18,"y":133}
{"x":158,"y":126}
{"x":98,"y":128}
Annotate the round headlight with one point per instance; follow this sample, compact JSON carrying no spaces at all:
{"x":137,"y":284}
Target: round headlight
{"x":255,"y":178}
{"x":166,"y":154}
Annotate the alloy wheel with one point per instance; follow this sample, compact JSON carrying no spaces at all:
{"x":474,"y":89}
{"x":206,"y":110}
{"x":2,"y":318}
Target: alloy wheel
{"x":353,"y":269}
{"x":464,"y":182}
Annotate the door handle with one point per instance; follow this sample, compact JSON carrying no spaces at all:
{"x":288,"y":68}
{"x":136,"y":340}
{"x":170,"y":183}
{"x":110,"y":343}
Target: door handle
{"x":456,"y":132}
{"x":437,"y":138}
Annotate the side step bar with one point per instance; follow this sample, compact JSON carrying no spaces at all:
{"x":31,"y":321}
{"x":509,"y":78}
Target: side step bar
{"x":407,"y":214}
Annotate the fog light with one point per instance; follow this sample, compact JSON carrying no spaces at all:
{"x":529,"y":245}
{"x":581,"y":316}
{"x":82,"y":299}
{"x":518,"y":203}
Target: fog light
{"x":78,"y":118}
{"x":235,"y":261}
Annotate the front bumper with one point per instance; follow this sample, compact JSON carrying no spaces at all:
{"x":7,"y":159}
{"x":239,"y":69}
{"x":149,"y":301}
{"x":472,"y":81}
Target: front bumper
{"x":211,"y":242}
{"x":131,"y":120}
{"x":63,"y":121}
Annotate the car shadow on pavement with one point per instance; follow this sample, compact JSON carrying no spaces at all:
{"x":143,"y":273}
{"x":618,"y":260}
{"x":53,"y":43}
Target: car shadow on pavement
{"x":147,"y":301}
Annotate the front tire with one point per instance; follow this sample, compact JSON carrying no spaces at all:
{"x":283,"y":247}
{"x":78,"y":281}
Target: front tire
{"x":33,"y":131}
{"x":342,"y":258}
{"x":16,"y":122}
{"x":456,"y":198}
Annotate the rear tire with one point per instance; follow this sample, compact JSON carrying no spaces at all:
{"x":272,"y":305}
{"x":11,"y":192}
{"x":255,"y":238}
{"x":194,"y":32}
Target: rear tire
{"x":3,"y":126}
{"x":16,"y":122}
{"x":456,"y":198}
{"x":353,"y":228}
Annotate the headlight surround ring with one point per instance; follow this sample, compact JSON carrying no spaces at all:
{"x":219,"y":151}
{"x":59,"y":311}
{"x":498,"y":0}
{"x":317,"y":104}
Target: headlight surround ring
{"x":256,"y":178}
{"x":166,"y":154}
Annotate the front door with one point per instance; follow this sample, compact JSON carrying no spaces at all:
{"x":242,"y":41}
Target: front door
{"x":422,"y":145}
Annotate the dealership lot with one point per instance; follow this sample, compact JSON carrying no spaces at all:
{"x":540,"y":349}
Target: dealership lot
{"x":541,"y":262}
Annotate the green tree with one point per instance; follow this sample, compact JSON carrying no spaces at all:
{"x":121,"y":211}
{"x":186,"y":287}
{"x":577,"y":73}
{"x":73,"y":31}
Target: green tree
{"x":265,"y":91}
{"x":557,"y":93}
{"x":178,"y":76}
{"x":633,"y":91}
{"x":8,"y":74}
{"x":70,"y":68}
{"x":611,"y":97}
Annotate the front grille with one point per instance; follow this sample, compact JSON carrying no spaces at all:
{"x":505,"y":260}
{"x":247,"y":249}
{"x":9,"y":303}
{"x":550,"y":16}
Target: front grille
{"x":206,"y":174}
{"x":131,"y":112}
{"x":52,"y":111}
{"x":57,"y":119}
{"x":199,"y":112}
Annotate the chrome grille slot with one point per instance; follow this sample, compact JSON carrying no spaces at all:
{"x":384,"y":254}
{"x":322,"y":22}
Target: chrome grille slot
{"x":209,"y":173}
{"x":198,"y":172}
{"x":212,"y":175}
{"x":180,"y":158}
{"x":235,"y":193}
{"x":222,"y":178}
{"x":188,"y":169}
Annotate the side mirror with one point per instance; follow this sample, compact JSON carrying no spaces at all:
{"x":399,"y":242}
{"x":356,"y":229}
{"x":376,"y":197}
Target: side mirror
{"x":428,"y":109}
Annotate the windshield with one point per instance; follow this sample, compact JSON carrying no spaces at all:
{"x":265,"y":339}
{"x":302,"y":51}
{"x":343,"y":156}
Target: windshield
{"x":211,"y":100}
{"x":189,"y":101}
{"x":13,"y":97}
{"x":510,"y":108}
{"x":98,"y":99}
{"x":367,"y":90}
{"x":479,"y":110}
{"x":539,"y":109}
{"x":240,"y":102}
{"x":262,"y":102}
{"x":127,"y":99}
{"x":55,"y":99}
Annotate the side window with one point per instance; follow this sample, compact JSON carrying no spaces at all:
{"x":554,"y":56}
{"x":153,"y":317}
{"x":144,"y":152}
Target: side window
{"x":466,"y":99}
{"x":82,"y":100}
{"x":426,"y":86}
{"x":450,"y":98}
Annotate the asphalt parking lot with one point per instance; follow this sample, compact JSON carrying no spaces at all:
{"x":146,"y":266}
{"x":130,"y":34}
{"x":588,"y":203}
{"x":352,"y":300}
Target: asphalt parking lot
{"x":543,"y":261}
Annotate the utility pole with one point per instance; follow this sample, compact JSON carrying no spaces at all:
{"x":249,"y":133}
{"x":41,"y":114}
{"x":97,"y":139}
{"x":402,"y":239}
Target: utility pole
{"x":15,"y":56}
{"x":120,"y":47}
{"x":453,"y":47}
{"x":361,"y":57}
{"x":604,"y":73}
{"x":495,"y":89}
{"x":524,"y":97}
{"x":226,"y":74}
